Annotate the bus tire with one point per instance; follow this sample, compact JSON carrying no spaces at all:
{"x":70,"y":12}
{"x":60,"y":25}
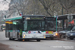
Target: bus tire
{"x":71,"y":38}
{"x":52,"y":38}
{"x":38,"y":40}
{"x":26,"y":39}
{"x":9,"y":36}
{"x":10,"y":39}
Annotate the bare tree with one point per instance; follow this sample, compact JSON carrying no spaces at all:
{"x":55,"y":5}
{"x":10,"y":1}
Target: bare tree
{"x":46,"y":5}
{"x":67,"y":4}
{"x":18,"y":6}
{"x":51,"y":6}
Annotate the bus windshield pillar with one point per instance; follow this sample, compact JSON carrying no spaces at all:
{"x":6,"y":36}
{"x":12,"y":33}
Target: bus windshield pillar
{"x":63,"y":24}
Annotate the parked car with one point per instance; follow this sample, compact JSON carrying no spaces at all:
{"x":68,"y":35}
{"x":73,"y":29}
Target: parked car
{"x":71,"y":35}
{"x":63,"y":33}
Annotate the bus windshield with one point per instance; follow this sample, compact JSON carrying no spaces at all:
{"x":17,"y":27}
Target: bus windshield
{"x":50,"y":25}
{"x":35,"y":25}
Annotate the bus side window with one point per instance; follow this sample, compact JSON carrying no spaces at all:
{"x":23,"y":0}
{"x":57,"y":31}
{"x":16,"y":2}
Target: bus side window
{"x":10,"y":26}
{"x":43,"y":25}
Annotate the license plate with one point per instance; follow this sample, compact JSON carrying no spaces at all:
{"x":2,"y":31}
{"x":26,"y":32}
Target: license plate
{"x":48,"y":36}
{"x":34,"y":37}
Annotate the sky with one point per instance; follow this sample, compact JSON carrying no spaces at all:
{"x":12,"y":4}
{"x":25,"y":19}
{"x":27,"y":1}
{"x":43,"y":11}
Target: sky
{"x":4,"y":5}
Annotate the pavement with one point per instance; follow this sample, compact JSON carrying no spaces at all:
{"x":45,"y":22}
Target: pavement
{"x":4,"y":47}
{"x":34,"y":45}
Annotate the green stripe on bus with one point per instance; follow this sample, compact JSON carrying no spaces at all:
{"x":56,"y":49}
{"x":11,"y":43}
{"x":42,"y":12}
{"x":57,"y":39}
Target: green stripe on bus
{"x":10,"y":30}
{"x":23,"y":31}
{"x":15,"y":18}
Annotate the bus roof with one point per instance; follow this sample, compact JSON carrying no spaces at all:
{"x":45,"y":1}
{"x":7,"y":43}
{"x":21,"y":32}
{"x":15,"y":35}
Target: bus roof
{"x":20,"y":17}
{"x":62,"y":17}
{"x":34,"y":15}
{"x":13,"y":18}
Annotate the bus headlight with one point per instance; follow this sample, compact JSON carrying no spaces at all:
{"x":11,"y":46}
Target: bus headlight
{"x":44,"y":36}
{"x":24,"y":36}
{"x":56,"y":34}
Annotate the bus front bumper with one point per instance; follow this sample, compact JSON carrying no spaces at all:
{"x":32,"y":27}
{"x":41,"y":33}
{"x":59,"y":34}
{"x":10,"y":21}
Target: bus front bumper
{"x":51,"y":36}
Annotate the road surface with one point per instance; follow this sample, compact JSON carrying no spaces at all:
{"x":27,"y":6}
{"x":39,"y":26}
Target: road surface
{"x":34,"y":45}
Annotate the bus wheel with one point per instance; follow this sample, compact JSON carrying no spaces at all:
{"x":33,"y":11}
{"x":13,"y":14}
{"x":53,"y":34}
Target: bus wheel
{"x":10,"y":39}
{"x":71,"y":38}
{"x":13,"y":38}
{"x":52,"y":38}
{"x":26,"y":39}
{"x":38,"y":40}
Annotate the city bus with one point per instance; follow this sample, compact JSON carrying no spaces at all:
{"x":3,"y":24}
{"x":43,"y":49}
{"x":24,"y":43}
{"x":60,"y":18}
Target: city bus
{"x":50,"y":28}
{"x":28,"y":27}
{"x":67,"y":24}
